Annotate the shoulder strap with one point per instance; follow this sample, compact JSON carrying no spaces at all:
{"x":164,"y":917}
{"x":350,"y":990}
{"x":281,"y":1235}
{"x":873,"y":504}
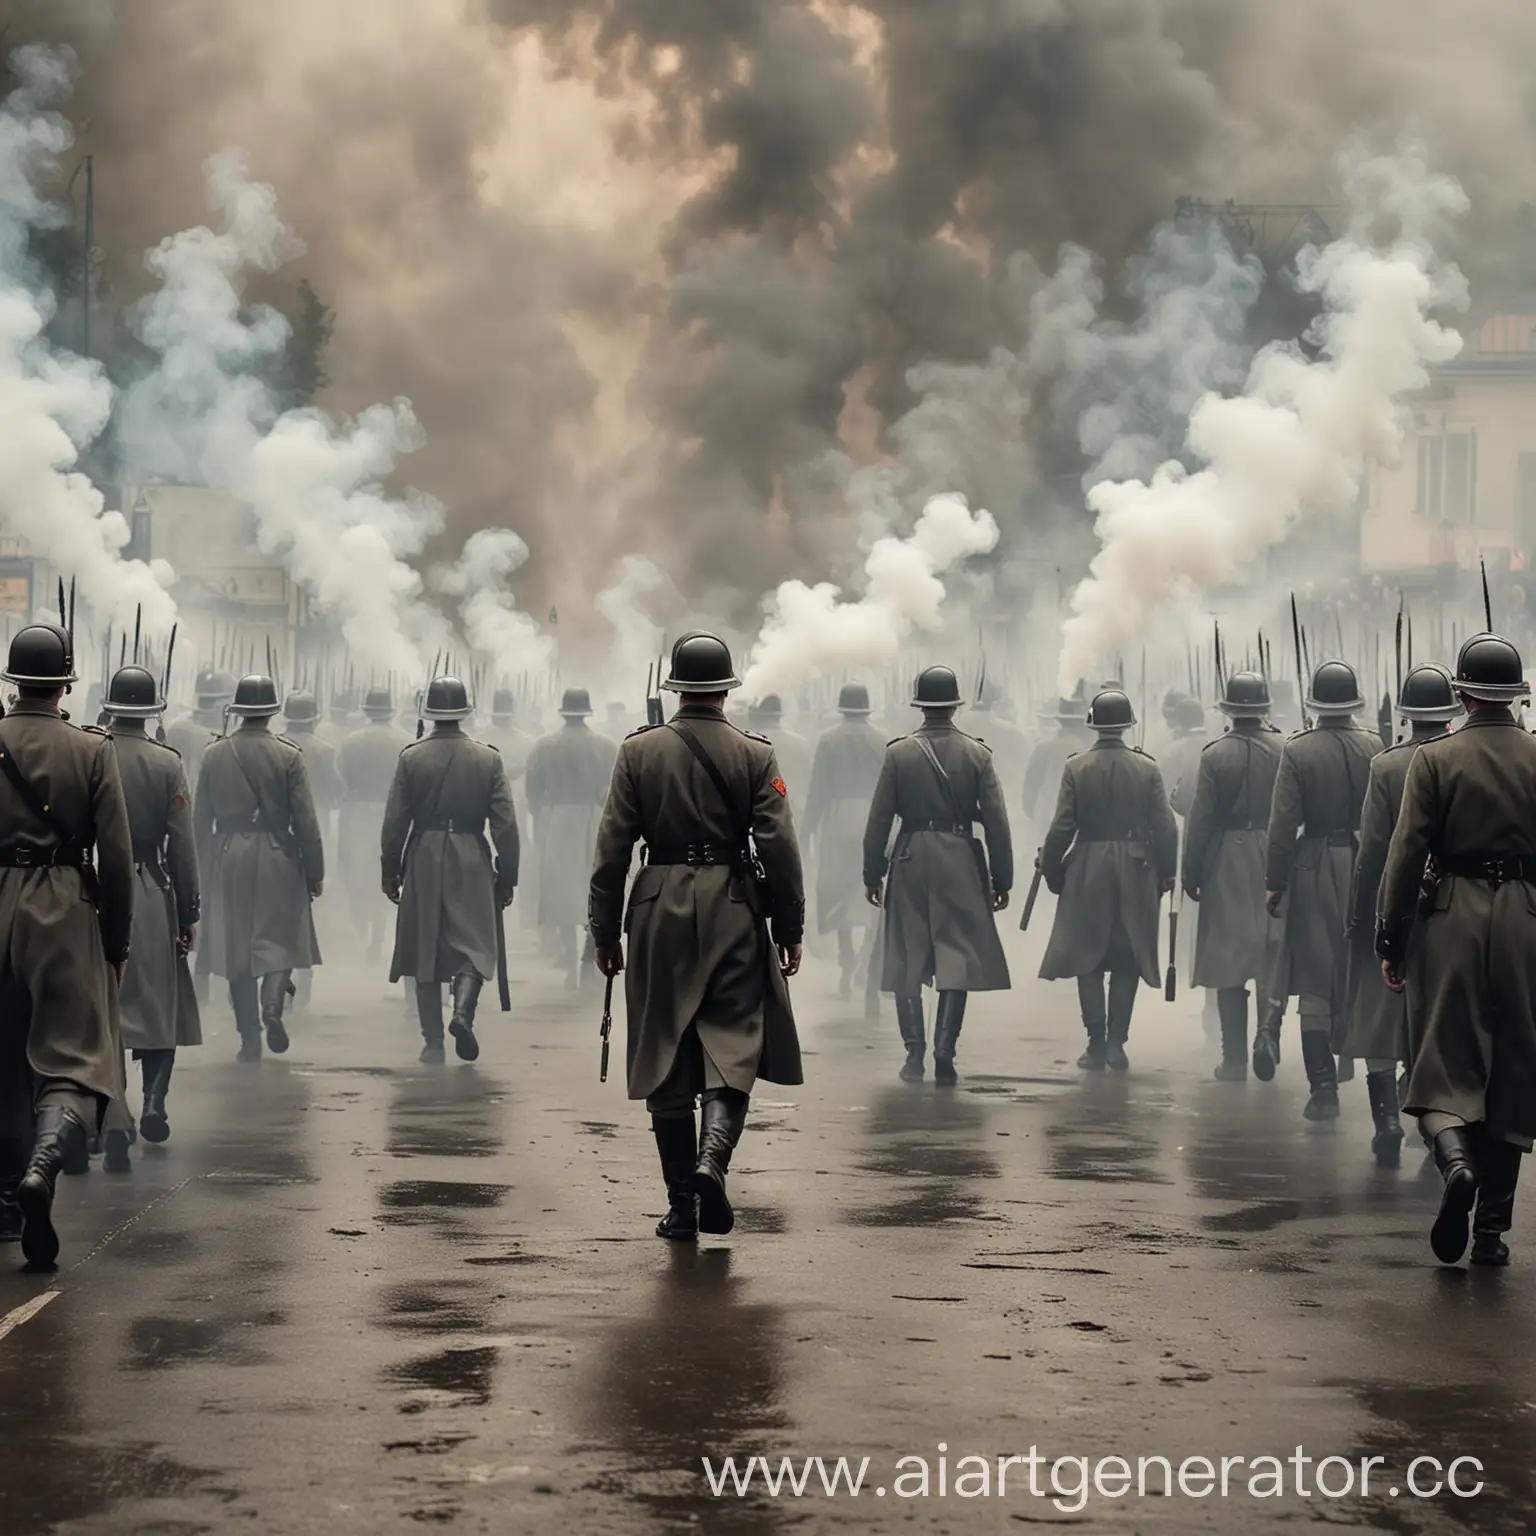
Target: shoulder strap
{"x":34,"y":802}
{"x":234,"y":752}
{"x":946,"y":784}
{"x":741,"y":822}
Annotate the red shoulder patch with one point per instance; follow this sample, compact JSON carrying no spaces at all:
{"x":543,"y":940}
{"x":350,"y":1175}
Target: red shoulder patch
{"x":778,"y":784}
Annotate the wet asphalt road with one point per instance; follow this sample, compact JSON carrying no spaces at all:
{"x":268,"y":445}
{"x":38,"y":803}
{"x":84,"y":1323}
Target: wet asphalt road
{"x":355,"y":1294}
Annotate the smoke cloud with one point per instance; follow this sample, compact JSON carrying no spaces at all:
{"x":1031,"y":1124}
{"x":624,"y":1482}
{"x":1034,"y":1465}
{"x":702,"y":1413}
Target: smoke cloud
{"x":510,"y":641}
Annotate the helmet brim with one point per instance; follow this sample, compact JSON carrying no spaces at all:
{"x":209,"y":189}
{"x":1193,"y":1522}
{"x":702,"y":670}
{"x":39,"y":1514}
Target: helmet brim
{"x":37,"y":682}
{"x":448,"y":714}
{"x":1245,"y":711}
{"x":1431,"y":712}
{"x":134,"y":711}
{"x":254,"y":711}
{"x":1494,"y":693}
{"x":1319,"y":707}
{"x":955,"y":703}
{"x":719,"y":685}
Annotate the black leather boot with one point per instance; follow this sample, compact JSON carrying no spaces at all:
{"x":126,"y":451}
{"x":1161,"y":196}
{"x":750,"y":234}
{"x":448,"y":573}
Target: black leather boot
{"x":59,"y":1132}
{"x":1499,"y":1167}
{"x":948,"y":1018}
{"x":677,"y":1144}
{"x":722,"y":1120}
{"x":1122,"y":999}
{"x":1454,"y":1158}
{"x":1090,"y":997}
{"x":114,"y":1153}
{"x":275,"y":987}
{"x":245,"y":1003}
{"x":1322,"y":1075}
{"x":1266,"y":1040}
{"x":1387,"y":1143}
{"x":909,"y":1020}
{"x":154,"y":1123}
{"x":466,"y":994}
{"x":1232,"y":1008}
{"x":429,"y":1011}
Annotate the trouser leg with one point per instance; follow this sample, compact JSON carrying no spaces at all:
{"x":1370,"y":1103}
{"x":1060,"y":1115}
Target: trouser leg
{"x":1095,"y":1011}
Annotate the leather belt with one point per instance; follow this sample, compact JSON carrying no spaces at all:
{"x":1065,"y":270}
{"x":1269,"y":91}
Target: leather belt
{"x":699,"y":855}
{"x":955,"y":827}
{"x":1497,"y":870}
{"x":45,"y":858}
{"x":452,"y":824}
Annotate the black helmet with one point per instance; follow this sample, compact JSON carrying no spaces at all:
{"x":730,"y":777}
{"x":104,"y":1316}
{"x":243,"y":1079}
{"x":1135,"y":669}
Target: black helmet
{"x":343,"y":702}
{"x":378,"y":704}
{"x":1171,"y":701}
{"x":701,"y":663}
{"x":213,"y":687}
{"x":1334,"y":690}
{"x":853,"y":699}
{"x":1428,"y":694}
{"x":1246,"y":696}
{"x":1190,"y":715}
{"x":447,"y":699}
{"x":1488,"y":668}
{"x":255,"y":696}
{"x":301,"y":707}
{"x":575,"y":704}
{"x":937,"y":688}
{"x":1111,"y":711}
{"x":503,"y":704}
{"x":133,"y":694}
{"x":42,"y":656}
{"x":769,"y":707}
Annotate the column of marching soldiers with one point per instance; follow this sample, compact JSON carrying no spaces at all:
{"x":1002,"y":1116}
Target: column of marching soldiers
{"x":1390,"y":889}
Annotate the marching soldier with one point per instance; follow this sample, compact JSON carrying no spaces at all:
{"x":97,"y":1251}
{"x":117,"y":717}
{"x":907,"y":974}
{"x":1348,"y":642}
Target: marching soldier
{"x":1378,"y":1024}
{"x":1314,"y":822}
{"x":940,"y":891}
{"x":1010,"y":746}
{"x":1042,"y":778}
{"x":843,"y":777}
{"x":1110,"y":855}
{"x":301,"y":715}
{"x":448,"y":791}
{"x":159,"y":1008}
{"x":1463,"y":941}
{"x":193,"y":735}
{"x":66,"y":926}
{"x":1181,"y":764}
{"x":258,"y":839}
{"x":367,"y":760}
{"x":568,"y":775}
{"x":1224,"y":849}
{"x":715,"y":920}
{"x":791,"y":751}
{"x":516,"y":746}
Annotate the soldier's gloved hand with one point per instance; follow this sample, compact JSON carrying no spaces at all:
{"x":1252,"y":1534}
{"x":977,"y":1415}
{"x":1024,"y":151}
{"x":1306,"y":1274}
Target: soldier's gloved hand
{"x":317,"y":890}
{"x":392,"y":891}
{"x":610,"y":958}
{"x":1392,"y":976}
{"x":789,"y":959}
{"x":1000,"y":901}
{"x":872,"y":895}
{"x":504,"y":898}
{"x":1272,"y":902}
{"x":1165,"y":886}
{"x":186,"y":940}
{"x":1193,"y":892}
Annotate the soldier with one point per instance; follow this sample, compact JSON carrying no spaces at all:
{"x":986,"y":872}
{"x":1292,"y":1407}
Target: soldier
{"x":448,"y":790}
{"x":301,"y":714}
{"x":342,"y":722}
{"x":790,"y":749}
{"x":1110,"y":855}
{"x":1224,"y":850}
{"x":1469,"y":962}
{"x":568,"y":774}
{"x":942,"y":891}
{"x":1378,"y":1026}
{"x":193,"y":735}
{"x":843,"y":777}
{"x":715,"y":920}
{"x":258,"y":840}
{"x":159,"y":1009}
{"x":1314,"y":822}
{"x":66,"y":927}
{"x":1010,"y":745}
{"x":1181,"y":764}
{"x":514,"y":744}
{"x":367,"y":761}
{"x":1042,"y":778}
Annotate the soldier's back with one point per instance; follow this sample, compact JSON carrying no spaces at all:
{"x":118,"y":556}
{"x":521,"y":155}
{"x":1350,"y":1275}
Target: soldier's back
{"x":153,"y":777}
{"x":678,"y":804}
{"x":1484,"y":778}
{"x":367,"y":761}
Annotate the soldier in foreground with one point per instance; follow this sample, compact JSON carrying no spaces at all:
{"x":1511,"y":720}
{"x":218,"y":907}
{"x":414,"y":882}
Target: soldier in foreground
{"x":1224,"y":851}
{"x":715,"y":920}
{"x":568,"y":774}
{"x":1378,"y":1023}
{"x":448,"y":791}
{"x":259,"y":842}
{"x":938,"y":889}
{"x":1314,"y":820}
{"x":159,"y":1008}
{"x":843,"y":776}
{"x":1457,"y":928}
{"x":66,"y":926}
{"x":367,"y":760}
{"x":1110,"y":855}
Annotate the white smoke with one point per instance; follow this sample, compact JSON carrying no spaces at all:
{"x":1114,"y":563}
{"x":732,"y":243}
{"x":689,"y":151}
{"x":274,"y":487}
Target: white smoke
{"x":314,"y":485}
{"x":1296,"y":442}
{"x":637,"y":638}
{"x":52,"y":404}
{"x":508,"y":638}
{"x":810,"y":632}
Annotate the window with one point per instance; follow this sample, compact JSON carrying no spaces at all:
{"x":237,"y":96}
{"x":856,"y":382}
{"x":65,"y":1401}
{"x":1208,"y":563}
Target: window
{"x":1447,"y":490}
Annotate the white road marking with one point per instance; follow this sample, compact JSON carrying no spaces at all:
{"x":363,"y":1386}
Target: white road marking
{"x":26,"y":1312}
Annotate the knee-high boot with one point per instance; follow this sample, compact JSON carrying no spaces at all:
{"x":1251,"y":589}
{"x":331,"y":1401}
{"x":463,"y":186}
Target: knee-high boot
{"x":1455,"y":1159}
{"x":909,"y":1020}
{"x":466,"y":995}
{"x":154,"y":1123}
{"x":429,"y":1013}
{"x":677,"y":1144}
{"x":275,"y":987}
{"x":60,"y":1135}
{"x":1387,"y":1143}
{"x":1322,"y":1075}
{"x":1232,"y":1005}
{"x":723,"y":1118}
{"x":1090,"y":998}
{"x":245,"y":1003}
{"x":1499,"y":1169}
{"x":948,"y":1018}
{"x":1122,"y":999}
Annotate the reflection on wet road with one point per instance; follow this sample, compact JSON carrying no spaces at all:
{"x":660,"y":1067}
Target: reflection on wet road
{"x":358,"y":1294}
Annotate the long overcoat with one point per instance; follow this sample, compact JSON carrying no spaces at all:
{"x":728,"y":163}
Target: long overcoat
{"x":259,"y":841}
{"x":701,"y":937}
{"x":1472,"y":964}
{"x":1314,"y":820}
{"x":1224,"y":851}
{"x":567,"y":779}
{"x":59,"y":925}
{"x":1111,"y":845}
{"x":449,"y":792}
{"x":159,"y":1005}
{"x":844,"y":773}
{"x":940,"y":929}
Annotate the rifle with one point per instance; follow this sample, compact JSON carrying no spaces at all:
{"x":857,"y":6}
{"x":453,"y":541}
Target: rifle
{"x":1034,"y":895}
{"x":654,"y":713}
{"x":503,"y":986}
{"x":1487,"y":604}
{"x":1301,"y":675}
{"x":607,"y":1029}
{"x":1171,"y":984}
